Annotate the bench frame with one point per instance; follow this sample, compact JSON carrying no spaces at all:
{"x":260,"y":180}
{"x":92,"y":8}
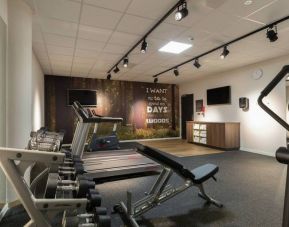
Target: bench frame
{"x":160,"y":192}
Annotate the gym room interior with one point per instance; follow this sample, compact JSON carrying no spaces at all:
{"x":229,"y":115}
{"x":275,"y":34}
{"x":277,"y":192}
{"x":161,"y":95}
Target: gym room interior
{"x":144,"y":113}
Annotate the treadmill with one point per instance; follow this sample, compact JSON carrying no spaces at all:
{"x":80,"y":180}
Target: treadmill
{"x":108,"y":163}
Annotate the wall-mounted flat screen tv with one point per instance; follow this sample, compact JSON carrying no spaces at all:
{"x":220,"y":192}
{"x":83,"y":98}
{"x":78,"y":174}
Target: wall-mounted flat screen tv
{"x":220,"y":95}
{"x":84,"y":96}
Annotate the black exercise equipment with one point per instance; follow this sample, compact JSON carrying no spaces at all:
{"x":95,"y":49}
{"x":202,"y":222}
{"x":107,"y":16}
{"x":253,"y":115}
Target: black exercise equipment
{"x":98,"y":143}
{"x":282,"y":153}
{"x":80,"y":188}
{"x":108,"y":163}
{"x":161,"y":190}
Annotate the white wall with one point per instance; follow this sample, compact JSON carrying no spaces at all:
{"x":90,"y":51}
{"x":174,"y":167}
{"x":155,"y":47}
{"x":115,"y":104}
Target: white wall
{"x":259,"y":133}
{"x":3,"y":10}
{"x":3,"y":62}
{"x":37,"y":94}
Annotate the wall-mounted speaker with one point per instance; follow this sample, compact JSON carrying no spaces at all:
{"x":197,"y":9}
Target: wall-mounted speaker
{"x":244,"y":103}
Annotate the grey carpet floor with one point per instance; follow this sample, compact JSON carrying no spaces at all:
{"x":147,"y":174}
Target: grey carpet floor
{"x":250,"y":186}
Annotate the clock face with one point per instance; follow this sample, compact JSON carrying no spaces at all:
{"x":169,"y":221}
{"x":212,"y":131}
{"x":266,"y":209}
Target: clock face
{"x":257,"y":74}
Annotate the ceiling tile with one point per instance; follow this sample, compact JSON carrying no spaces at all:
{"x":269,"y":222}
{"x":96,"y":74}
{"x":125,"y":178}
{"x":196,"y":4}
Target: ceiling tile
{"x":275,"y":11}
{"x":83,"y":61}
{"x":86,"y":53}
{"x":115,"y":49}
{"x":134,"y":25}
{"x":124,"y":38}
{"x":61,"y":58}
{"x":93,"y":33}
{"x":238,"y":7}
{"x":58,"y":40}
{"x":59,"y":9}
{"x":119,"y":5}
{"x":89,"y":45}
{"x":59,"y":50}
{"x":167,"y":31}
{"x":98,"y":17}
{"x":150,"y":8}
{"x":58,"y":27}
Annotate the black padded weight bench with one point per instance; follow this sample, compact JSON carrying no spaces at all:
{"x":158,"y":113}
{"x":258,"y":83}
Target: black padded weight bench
{"x":161,"y":190}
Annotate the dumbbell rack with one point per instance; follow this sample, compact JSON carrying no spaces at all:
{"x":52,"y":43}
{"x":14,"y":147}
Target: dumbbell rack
{"x":14,"y":163}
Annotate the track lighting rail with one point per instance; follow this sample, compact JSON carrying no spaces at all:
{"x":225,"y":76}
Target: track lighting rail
{"x":225,"y":45}
{"x":180,"y":2}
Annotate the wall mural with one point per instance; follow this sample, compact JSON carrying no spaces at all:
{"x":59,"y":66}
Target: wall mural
{"x":148,"y":110}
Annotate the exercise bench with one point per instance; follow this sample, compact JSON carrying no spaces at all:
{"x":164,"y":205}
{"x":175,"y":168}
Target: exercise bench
{"x":161,"y":190}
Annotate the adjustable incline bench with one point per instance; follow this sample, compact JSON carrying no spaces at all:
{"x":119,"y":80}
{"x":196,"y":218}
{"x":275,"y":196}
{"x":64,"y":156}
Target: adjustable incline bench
{"x":161,"y":190}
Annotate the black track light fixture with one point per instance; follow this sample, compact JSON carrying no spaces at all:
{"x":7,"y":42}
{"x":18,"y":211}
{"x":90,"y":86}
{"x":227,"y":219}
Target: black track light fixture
{"x":182,"y":11}
{"x":176,"y":72}
{"x":156,"y":80}
{"x":144,"y":46}
{"x":197,"y":64}
{"x":108,"y":77}
{"x":272,"y":34}
{"x":125,"y":62}
{"x":225,"y":52}
{"x":116,"y":69}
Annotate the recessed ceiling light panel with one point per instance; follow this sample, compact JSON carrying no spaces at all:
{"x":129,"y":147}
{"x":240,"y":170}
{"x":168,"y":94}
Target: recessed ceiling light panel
{"x":175,"y":47}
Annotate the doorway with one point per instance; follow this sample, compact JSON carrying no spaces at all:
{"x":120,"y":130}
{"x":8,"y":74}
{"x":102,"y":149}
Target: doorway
{"x":187,"y":108}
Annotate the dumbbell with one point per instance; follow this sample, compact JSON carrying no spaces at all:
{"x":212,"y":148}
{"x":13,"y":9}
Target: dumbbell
{"x":94,"y":199}
{"x":79,"y":187}
{"x":71,"y":171}
{"x":98,"y":218}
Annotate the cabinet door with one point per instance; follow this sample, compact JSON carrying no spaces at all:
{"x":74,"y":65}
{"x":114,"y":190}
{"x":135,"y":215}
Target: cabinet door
{"x":189,"y":132}
{"x":216,"y":134}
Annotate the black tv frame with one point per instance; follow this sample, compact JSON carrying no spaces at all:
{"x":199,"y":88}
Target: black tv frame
{"x":81,"y":89}
{"x":226,"y":103}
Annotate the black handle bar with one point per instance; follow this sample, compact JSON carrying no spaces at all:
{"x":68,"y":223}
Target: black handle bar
{"x":284,"y":71}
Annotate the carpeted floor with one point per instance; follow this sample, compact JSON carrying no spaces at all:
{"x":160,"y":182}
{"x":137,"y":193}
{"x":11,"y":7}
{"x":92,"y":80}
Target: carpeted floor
{"x":251,"y":187}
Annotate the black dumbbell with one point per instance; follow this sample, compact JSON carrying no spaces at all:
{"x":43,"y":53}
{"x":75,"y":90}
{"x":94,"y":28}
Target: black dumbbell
{"x":79,"y":188}
{"x":94,"y":199}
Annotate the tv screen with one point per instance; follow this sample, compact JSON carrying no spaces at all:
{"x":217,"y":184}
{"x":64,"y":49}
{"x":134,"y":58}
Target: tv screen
{"x":220,"y":95}
{"x":83,"y":96}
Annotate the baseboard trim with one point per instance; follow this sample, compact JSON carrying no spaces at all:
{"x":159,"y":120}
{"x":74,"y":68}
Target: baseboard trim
{"x":257,"y":151}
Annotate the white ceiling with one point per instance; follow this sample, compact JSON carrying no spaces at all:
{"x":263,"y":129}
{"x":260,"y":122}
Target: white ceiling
{"x":86,"y":37}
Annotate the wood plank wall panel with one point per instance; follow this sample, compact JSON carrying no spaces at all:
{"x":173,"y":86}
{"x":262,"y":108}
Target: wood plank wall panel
{"x":114,"y":98}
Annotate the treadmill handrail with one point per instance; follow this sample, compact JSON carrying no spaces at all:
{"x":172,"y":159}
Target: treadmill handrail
{"x":284,"y":71}
{"x":83,"y":116}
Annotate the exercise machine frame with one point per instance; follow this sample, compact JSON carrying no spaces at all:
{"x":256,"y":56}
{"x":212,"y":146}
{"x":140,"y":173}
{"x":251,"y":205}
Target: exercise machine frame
{"x":14,"y":163}
{"x":282,"y":153}
{"x":160,"y":192}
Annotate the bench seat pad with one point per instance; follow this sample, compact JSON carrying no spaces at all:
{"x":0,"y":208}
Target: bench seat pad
{"x":204,"y":172}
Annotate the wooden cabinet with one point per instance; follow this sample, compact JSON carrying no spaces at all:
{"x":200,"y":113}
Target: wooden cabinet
{"x":224,"y":135}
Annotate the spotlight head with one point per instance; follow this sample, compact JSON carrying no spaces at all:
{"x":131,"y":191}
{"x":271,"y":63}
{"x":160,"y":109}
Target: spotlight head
{"x":144,"y":46}
{"x":197,"y":64}
{"x":225,"y":52}
{"x":125,"y":62}
{"x":116,"y":69}
{"x":156,"y":80}
{"x":176,"y":72}
{"x":272,"y":34}
{"x":182,"y":11}
{"x":108,"y":77}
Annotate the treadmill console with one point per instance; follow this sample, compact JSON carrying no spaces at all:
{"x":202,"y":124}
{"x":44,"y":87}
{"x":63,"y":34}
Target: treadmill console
{"x":92,"y":113}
